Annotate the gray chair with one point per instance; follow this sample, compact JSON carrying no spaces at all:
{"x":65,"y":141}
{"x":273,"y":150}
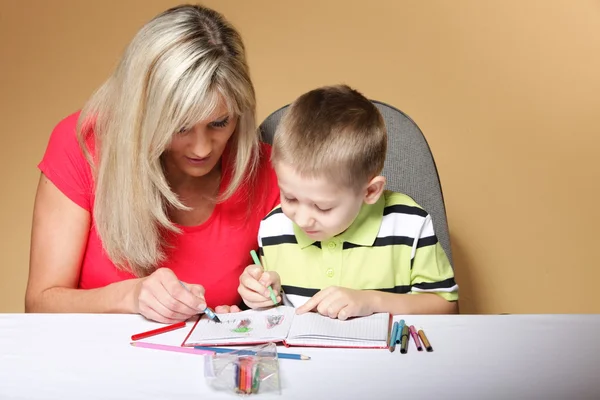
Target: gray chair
{"x":409,"y":165}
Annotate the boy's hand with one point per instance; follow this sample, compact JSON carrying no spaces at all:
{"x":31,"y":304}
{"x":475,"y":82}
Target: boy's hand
{"x":341,"y":303}
{"x":253,"y":287}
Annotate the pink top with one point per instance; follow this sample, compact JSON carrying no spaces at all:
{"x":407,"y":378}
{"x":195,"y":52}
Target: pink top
{"x":212,"y":254}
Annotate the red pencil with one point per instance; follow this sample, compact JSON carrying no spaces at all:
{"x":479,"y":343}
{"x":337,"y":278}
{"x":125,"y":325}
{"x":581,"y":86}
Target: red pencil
{"x":158,"y":331}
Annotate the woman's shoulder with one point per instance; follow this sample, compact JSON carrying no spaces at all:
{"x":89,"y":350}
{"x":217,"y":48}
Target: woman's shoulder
{"x":64,"y":162}
{"x":66,"y":129}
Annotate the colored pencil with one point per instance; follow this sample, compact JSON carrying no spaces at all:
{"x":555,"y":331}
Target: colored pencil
{"x":289,"y":356}
{"x":255,"y":379}
{"x":257,"y":262}
{"x":158,"y":331}
{"x":208,"y":311}
{"x":176,"y":349}
{"x":248,"y":387}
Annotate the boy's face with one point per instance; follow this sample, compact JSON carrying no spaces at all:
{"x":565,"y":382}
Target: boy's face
{"x":322,"y":209}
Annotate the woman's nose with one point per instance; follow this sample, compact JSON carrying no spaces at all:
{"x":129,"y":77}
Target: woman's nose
{"x":201,"y":145}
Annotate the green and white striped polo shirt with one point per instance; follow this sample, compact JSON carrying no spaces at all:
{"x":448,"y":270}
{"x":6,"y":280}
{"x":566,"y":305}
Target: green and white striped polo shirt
{"x":390,"y":246}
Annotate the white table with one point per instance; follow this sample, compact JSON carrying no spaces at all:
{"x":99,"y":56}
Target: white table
{"x":74,"y":356}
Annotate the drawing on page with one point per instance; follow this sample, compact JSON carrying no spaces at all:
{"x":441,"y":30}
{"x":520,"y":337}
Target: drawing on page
{"x":273,"y":320}
{"x":243,"y":326}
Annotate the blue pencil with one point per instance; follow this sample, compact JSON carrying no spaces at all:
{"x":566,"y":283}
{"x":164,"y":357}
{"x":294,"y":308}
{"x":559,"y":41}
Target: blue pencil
{"x":289,"y":356}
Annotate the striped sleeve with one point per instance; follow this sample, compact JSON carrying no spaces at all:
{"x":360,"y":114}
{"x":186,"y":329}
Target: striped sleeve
{"x":271,"y":226}
{"x":431,"y":271}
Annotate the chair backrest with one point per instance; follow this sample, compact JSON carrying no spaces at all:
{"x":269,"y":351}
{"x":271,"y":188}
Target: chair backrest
{"x":409,"y":166}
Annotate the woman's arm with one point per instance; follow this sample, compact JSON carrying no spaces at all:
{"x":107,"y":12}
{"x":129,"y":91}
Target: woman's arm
{"x":58,"y":241}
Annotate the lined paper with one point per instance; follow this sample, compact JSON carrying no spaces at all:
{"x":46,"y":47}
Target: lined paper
{"x":316,"y":329}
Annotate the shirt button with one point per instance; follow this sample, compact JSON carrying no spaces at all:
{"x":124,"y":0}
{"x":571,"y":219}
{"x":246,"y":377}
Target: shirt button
{"x":330,"y":272}
{"x":331,"y":245}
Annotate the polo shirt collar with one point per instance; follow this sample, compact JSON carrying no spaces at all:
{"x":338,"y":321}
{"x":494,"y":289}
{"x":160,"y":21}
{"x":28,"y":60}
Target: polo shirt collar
{"x":363,"y":230}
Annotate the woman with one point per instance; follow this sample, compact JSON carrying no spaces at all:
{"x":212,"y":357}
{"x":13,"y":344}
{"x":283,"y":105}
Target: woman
{"x":149,"y":199}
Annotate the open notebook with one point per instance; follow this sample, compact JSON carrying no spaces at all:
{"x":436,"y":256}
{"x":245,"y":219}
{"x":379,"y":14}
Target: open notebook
{"x":281,"y":324}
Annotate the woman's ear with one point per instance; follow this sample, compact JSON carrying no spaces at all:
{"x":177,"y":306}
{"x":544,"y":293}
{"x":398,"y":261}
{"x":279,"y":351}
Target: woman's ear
{"x":374,"y":189}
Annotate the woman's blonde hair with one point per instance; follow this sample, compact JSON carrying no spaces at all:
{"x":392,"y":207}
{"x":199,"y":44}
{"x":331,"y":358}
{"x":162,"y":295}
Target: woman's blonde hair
{"x":173,"y":74}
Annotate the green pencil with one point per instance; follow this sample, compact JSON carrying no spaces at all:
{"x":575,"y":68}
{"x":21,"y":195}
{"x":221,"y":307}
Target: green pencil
{"x":257,"y":262}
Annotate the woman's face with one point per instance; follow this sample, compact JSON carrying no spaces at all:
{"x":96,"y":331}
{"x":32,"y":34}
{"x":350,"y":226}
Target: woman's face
{"x":195,"y":150}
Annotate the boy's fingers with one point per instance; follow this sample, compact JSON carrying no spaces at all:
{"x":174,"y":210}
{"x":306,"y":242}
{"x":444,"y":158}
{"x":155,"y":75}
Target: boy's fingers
{"x":313,"y":302}
{"x":255,"y":297}
{"x":251,"y":284}
{"x":255,"y":271}
{"x":265,"y":279}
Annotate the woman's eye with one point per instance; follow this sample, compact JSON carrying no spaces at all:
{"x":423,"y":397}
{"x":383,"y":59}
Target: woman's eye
{"x":220,"y":124}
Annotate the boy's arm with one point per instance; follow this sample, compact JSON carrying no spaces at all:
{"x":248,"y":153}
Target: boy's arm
{"x":433,"y":288}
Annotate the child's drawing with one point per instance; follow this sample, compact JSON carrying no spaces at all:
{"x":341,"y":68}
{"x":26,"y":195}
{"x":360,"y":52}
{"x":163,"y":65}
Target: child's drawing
{"x":243,"y":326}
{"x":274,"y":320}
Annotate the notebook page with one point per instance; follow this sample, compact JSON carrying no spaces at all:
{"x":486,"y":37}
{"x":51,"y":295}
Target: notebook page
{"x":316,"y":329}
{"x":244,"y":327}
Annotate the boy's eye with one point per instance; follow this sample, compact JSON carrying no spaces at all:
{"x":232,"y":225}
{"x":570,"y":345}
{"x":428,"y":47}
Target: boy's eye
{"x":220,"y":124}
{"x":323,"y":210}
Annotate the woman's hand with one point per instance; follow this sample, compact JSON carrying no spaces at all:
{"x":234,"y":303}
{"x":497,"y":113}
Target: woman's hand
{"x":227,"y":309}
{"x":163,"y":298}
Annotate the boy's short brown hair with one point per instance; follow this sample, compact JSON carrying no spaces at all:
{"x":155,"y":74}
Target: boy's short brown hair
{"x":333,"y":132}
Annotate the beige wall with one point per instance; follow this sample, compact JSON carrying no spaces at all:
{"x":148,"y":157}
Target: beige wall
{"x":506,"y":92}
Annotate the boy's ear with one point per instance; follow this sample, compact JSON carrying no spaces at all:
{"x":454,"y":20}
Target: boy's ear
{"x":375,"y":188}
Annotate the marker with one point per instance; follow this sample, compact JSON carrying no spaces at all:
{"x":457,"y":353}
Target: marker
{"x":404,"y":340}
{"x":399,"y":333}
{"x":392,"y":346}
{"x":158,"y":331}
{"x":415,"y":336}
{"x":425,"y":341}
{"x":208,"y":311}
{"x":257,"y":262}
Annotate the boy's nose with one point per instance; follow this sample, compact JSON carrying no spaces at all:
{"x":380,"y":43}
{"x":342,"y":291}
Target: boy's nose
{"x":304,"y":219}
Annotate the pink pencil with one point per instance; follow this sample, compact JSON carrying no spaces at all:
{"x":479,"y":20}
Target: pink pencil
{"x":177,"y":349}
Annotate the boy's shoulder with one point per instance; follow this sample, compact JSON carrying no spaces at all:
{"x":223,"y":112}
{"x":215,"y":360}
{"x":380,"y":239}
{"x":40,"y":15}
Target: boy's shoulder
{"x":274,"y":211}
{"x":276,"y":223}
{"x":400,"y":199}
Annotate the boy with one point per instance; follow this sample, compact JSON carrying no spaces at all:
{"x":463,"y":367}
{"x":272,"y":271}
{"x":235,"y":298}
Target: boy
{"x":339,"y":243}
